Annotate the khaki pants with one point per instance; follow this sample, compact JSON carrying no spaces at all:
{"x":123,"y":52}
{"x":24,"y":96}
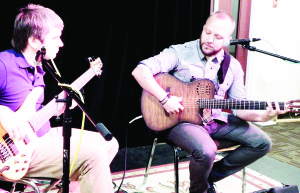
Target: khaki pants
{"x":91,"y":168}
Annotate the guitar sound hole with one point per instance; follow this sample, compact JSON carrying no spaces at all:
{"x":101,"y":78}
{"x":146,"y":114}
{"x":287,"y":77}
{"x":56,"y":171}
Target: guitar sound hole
{"x":203,"y":89}
{"x":200,"y":89}
{"x":208,"y":90}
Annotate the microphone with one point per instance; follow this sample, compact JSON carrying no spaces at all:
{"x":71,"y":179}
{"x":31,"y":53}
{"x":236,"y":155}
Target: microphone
{"x":40,"y":54}
{"x":228,"y":42}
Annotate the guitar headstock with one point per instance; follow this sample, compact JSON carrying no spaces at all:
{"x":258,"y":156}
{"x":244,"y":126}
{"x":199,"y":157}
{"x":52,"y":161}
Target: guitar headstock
{"x":293,"y":106}
{"x":96,"y":65}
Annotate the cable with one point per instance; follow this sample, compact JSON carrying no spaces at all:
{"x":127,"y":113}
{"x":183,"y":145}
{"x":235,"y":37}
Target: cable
{"x":56,"y":69}
{"x":125,"y":156}
{"x":138,"y":117}
{"x":277,"y":53}
{"x":270,"y":45}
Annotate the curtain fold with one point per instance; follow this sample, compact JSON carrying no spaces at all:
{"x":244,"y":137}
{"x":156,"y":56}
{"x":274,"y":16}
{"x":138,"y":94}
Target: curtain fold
{"x":121,"y":33}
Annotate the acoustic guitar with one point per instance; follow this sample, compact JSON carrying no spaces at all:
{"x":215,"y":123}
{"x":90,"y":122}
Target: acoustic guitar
{"x":15,"y":155}
{"x":197,"y":95}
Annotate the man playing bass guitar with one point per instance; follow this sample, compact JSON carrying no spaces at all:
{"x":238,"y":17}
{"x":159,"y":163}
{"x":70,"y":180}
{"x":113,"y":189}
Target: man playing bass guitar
{"x":21,"y":98}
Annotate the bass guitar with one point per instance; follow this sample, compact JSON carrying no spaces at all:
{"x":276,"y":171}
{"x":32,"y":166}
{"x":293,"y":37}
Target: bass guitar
{"x":15,"y":155}
{"x":196,"y":95}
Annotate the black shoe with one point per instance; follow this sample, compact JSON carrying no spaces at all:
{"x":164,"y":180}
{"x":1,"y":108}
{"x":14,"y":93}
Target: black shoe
{"x":211,"y":189}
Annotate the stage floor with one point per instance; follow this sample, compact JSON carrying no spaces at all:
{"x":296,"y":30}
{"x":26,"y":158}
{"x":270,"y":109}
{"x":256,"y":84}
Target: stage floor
{"x":281,"y":164}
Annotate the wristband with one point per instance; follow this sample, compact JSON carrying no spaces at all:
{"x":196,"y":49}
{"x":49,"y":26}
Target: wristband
{"x":165,"y":100}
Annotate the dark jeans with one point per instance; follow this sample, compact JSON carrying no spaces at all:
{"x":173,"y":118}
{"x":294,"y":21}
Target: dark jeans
{"x":198,"y":141}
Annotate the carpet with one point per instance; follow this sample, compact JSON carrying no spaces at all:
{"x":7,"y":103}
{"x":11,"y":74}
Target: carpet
{"x":286,"y":142}
{"x":161,"y":180}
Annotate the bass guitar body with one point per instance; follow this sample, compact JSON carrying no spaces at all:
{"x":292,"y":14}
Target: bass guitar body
{"x":16,"y":154}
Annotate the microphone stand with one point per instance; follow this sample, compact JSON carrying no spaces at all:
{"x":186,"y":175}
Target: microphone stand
{"x":67,"y":123}
{"x":252,"y":48}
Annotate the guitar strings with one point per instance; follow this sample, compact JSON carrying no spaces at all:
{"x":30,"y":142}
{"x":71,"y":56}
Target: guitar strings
{"x":228,"y":103}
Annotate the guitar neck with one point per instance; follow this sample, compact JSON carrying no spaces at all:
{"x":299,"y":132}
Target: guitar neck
{"x":43,"y":115}
{"x":236,"y":104}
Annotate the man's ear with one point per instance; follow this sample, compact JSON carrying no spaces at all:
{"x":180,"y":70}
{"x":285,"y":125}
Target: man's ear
{"x":34,"y":43}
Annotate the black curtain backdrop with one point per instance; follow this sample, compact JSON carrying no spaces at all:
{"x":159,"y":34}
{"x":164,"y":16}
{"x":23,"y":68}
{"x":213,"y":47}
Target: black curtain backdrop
{"x":121,"y":33}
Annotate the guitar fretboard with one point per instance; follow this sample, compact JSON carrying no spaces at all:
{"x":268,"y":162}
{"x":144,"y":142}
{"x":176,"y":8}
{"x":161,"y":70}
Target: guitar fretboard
{"x":236,"y":104}
{"x":43,"y":115}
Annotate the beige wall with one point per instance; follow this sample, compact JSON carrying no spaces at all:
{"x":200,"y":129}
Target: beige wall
{"x":269,"y":78}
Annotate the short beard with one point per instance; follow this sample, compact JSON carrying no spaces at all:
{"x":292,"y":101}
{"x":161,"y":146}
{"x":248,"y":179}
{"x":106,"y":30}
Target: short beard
{"x":214,"y":52}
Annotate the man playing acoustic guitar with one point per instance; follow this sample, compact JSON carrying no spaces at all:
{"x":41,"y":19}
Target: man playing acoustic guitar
{"x":21,"y":98}
{"x":201,"y":59}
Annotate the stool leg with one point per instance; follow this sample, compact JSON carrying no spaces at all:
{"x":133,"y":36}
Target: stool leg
{"x":30,"y":183}
{"x":51,"y":185}
{"x":150,"y":161}
{"x":244,"y":180}
{"x":176,"y":171}
{"x":12,"y":190}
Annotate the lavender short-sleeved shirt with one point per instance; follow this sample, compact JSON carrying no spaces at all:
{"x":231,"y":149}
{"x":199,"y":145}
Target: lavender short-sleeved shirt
{"x":17,"y":80}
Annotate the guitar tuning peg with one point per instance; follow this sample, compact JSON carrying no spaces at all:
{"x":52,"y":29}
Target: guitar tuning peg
{"x":89,"y":59}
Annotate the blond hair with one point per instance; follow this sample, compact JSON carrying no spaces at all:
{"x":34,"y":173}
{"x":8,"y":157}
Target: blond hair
{"x":33,"y":20}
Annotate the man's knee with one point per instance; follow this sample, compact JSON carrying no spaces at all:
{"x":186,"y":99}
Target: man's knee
{"x":204,"y":155}
{"x":265,"y":144}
